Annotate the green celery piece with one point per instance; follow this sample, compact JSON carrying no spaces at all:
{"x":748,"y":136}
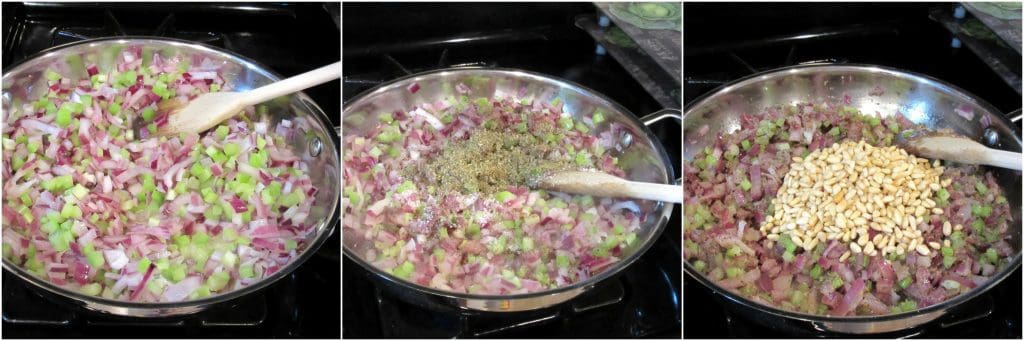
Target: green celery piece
{"x":213,"y":213}
{"x":200,"y":238}
{"x":389,"y":134}
{"x":148,"y":114}
{"x":58,"y":184}
{"x":229,"y":234}
{"x":229,"y":259}
{"x":733,"y":272}
{"x":52,"y":75}
{"x":200,"y":172}
{"x":63,"y":117}
{"x":504,"y":196}
{"x":222,"y":132}
{"x":218,"y":280}
{"x":155,"y":287}
{"x":259,"y":160}
{"x":566,"y":123}
{"x":70,"y":210}
{"x":991,"y":255}
{"x":175,"y":273}
{"x":246,"y":271}
{"x":405,"y":186}
{"x":473,"y":230}
{"x":95,"y":259}
{"x":59,"y":242}
{"x":182,"y":241}
{"x":404,"y":270}
{"x":231,"y":149}
{"x":91,"y":289}
{"x":598,"y":117}
{"x":144,"y":265}
{"x":816,"y":271}
{"x":79,"y":191}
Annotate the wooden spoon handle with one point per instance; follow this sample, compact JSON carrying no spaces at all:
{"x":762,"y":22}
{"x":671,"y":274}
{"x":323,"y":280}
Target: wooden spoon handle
{"x":1004,"y":159}
{"x":652,"y":191}
{"x":605,"y":185}
{"x":292,"y":84}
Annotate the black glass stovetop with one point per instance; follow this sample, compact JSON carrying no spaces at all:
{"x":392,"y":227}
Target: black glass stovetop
{"x":287,"y":38}
{"x":386,"y":41}
{"x":900,"y":35}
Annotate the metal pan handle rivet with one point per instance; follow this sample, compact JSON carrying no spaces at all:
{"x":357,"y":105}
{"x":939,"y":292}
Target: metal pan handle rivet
{"x":315,"y":147}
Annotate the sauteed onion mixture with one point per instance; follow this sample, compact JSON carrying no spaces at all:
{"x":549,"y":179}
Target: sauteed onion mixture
{"x":810,"y":208}
{"x":440,"y":192}
{"x":93,"y":206}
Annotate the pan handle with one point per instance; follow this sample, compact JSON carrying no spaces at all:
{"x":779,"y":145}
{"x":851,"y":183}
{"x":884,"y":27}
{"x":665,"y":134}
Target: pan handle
{"x":659,"y":115}
{"x":662,"y":114}
{"x":1015,"y":115}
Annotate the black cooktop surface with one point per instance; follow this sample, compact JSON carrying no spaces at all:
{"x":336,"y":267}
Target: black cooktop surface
{"x":905,"y":36}
{"x":387,"y":41}
{"x":287,"y":38}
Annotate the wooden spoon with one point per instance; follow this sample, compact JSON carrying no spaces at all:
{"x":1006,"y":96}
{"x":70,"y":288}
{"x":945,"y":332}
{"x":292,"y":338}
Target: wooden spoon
{"x":957,"y":148}
{"x":607,"y":185}
{"x":209,"y":109}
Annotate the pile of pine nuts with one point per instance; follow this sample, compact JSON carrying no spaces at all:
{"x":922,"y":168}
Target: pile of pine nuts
{"x":840,"y":192}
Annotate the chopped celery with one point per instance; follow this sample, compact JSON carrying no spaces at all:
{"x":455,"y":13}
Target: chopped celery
{"x":598,"y":117}
{"x":148,"y":114}
{"x":787,"y":256}
{"x":229,"y":259}
{"x":222,"y":132}
{"x":942,"y":195}
{"x":246,"y":271}
{"x":473,"y":230}
{"x":143,"y":265}
{"x":389,"y":134}
{"x":980,"y":186}
{"x":991,"y":255}
{"x":403,"y":271}
{"x":816,"y":271}
{"x":982,"y":211}
{"x":175,"y":273}
{"x":70,"y":210}
{"x":733,"y":272}
{"x":232,"y":149}
{"x":91,"y":289}
{"x":562,"y":261}
{"x":79,"y":191}
{"x":566,"y":122}
{"x":837,"y":282}
{"x":52,"y":75}
{"x":700,"y":265}
{"x":745,"y":184}
{"x":218,"y":280}
{"x":504,"y":196}
{"x":63,"y":116}
{"x":906,"y":282}
{"x":405,"y":186}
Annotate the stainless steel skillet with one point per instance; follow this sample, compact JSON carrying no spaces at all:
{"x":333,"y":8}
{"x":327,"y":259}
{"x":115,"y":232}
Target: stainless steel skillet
{"x":872,"y":89}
